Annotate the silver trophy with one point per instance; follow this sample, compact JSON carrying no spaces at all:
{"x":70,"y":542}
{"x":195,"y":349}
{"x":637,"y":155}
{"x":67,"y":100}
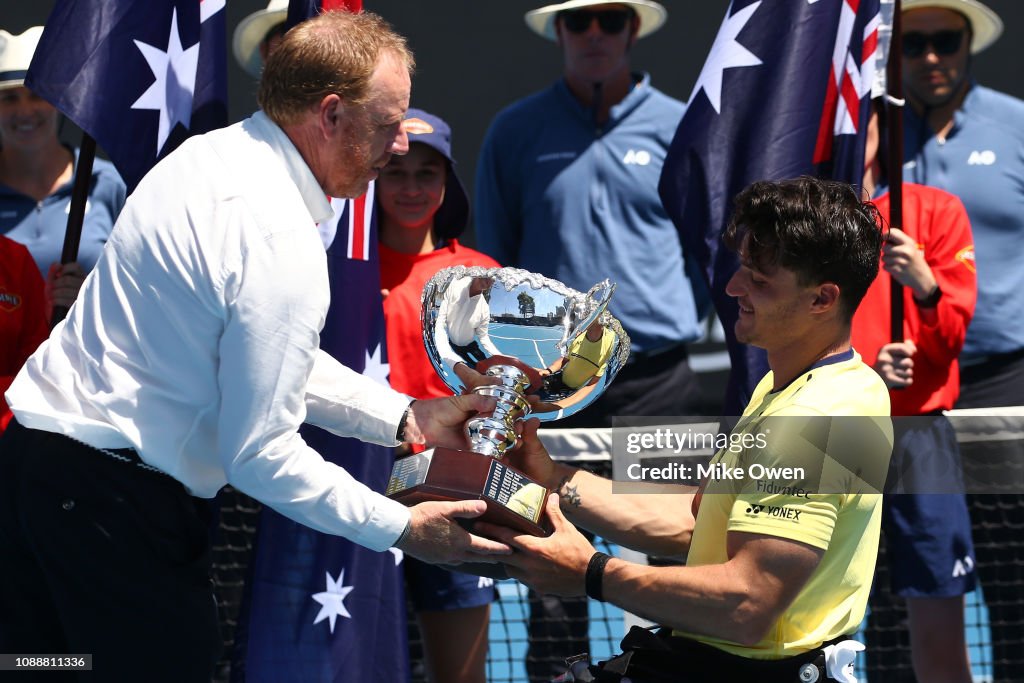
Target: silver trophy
{"x":541,"y":349}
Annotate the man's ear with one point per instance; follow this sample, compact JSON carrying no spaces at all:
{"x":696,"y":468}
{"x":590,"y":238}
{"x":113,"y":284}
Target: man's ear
{"x":330,"y":114}
{"x":826,"y":298}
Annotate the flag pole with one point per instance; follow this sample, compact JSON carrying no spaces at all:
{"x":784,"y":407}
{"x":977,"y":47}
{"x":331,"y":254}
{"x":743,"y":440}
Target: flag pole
{"x":76,"y":213}
{"x":894,"y":103}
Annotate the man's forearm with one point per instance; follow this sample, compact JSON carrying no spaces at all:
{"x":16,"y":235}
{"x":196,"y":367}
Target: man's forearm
{"x":712,"y":600}
{"x":657,"y":521}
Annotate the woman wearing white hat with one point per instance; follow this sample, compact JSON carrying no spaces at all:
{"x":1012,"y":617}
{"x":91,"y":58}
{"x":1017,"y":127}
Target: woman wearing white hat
{"x":36,"y":172}
{"x":258,"y":34}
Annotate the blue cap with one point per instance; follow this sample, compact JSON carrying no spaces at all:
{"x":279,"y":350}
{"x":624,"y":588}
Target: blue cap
{"x":424,"y":128}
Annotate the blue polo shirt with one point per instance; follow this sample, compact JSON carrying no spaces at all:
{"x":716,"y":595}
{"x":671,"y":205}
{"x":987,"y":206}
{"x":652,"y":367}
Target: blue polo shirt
{"x":559,"y":195}
{"x":982,"y":161}
{"x":40,"y":226}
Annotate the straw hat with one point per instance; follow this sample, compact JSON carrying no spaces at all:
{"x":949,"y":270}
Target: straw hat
{"x":16,"y":54}
{"x":252,"y":30}
{"x":542,"y":21}
{"x":986,"y":26}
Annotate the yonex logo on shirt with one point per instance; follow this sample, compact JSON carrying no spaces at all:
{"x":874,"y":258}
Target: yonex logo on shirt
{"x":981,"y":158}
{"x":782,"y":512}
{"x":640,"y":157}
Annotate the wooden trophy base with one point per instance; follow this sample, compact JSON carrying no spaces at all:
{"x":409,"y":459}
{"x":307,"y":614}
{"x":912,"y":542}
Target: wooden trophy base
{"x":513,"y":499}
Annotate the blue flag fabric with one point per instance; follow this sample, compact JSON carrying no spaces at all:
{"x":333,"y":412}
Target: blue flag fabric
{"x":319,"y":607}
{"x":139,"y":76}
{"x":784,"y":92}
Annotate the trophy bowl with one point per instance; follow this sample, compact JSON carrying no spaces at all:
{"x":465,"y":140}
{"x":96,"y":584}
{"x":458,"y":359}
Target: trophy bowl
{"x":540,"y":348}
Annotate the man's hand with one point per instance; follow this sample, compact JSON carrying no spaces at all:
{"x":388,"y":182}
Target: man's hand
{"x":471,"y":378}
{"x":902,"y":258}
{"x":556,"y":565}
{"x":895,"y":364}
{"x":530,"y":457}
{"x":63,"y":281}
{"x":441,"y":421}
{"x":435,"y":536}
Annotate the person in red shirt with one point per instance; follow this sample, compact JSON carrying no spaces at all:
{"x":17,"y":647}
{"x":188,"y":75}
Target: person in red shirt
{"x":23,"y":325}
{"x":423,"y":208}
{"x":926,"y":524}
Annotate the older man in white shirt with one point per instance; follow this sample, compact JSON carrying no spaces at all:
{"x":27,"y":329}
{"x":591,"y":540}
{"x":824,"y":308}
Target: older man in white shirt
{"x":191,"y":359}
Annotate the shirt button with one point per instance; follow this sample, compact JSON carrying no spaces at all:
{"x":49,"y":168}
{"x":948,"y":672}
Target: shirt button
{"x":68,"y":504}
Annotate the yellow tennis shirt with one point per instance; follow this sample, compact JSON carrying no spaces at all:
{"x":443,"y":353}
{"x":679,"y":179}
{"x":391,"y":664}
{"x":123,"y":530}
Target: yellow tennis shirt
{"x":831,"y":428}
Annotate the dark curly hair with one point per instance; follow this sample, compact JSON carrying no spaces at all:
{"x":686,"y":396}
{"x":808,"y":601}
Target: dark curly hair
{"x":819,"y":229}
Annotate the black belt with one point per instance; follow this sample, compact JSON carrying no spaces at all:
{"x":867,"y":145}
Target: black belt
{"x":661,"y":657}
{"x":671,"y":351}
{"x":129,"y":456}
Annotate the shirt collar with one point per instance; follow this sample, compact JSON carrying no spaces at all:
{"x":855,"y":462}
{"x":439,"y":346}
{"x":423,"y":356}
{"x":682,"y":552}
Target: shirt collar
{"x":312,"y":194}
{"x":637,"y":94}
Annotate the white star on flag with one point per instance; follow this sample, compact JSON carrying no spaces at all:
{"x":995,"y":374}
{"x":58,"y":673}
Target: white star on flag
{"x":375,"y":368}
{"x":398,"y":555}
{"x":172,"y":91}
{"x":333,"y":600}
{"x":726,"y":53}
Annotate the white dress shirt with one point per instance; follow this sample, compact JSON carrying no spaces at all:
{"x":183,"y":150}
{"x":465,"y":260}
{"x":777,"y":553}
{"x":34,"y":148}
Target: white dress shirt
{"x":195,"y":339}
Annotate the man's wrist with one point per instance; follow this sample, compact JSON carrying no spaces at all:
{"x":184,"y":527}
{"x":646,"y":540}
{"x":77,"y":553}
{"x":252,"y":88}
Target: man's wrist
{"x":930,"y":300}
{"x":404,"y":535}
{"x":403,"y":423}
{"x":594,"y":579}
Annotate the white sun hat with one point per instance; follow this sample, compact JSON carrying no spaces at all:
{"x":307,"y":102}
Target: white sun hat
{"x":252,"y":30}
{"x":986,"y":26}
{"x":542,"y":20}
{"x":16,"y":54}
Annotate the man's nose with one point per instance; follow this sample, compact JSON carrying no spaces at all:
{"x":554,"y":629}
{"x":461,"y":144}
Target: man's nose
{"x":400,"y":145}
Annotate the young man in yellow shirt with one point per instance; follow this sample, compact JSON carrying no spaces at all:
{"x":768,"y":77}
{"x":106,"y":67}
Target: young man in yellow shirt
{"x":779,"y":561}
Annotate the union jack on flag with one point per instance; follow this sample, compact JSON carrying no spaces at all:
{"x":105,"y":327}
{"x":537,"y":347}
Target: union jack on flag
{"x":850,"y":79}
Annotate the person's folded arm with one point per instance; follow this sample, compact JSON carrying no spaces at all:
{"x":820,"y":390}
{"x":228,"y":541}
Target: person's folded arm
{"x":738,"y":600}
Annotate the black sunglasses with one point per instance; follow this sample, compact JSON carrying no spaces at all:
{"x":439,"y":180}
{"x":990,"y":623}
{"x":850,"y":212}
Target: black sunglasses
{"x":943,"y":42}
{"x":611,"y":21}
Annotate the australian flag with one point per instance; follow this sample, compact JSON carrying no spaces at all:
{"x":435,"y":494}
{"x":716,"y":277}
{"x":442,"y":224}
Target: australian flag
{"x":784,"y":92}
{"x":139,"y":76}
{"x":319,"y":607}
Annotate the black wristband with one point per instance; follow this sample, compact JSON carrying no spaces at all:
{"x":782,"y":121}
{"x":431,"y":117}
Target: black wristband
{"x":595,"y":576}
{"x":400,"y":432}
{"x":930,"y":301}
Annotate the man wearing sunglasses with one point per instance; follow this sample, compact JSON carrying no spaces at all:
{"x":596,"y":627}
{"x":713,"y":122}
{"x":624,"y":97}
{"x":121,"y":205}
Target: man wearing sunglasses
{"x":968,"y":140}
{"x":567,"y":185}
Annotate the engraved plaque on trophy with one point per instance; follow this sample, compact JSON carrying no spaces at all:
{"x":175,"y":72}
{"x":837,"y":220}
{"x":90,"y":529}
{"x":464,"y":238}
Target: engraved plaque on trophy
{"x":546,"y":350}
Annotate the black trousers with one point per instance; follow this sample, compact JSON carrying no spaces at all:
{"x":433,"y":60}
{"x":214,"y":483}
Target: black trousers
{"x":104,"y":558}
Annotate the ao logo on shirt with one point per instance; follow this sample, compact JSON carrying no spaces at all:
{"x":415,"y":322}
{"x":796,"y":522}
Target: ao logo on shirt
{"x":639,"y":157}
{"x":981,"y":158}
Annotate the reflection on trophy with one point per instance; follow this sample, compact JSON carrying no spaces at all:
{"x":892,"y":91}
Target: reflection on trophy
{"x":539,"y":348}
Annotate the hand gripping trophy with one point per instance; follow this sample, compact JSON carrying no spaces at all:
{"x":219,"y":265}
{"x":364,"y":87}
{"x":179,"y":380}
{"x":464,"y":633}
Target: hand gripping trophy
{"x":539,"y":348}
